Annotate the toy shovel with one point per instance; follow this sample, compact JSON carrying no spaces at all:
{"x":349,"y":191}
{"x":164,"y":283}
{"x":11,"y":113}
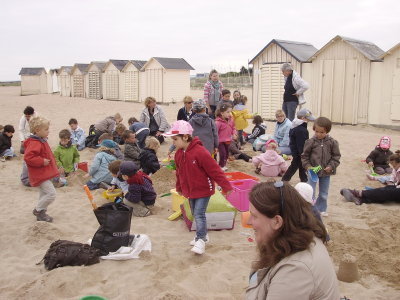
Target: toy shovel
{"x":313,"y":173}
{"x":373,"y":172}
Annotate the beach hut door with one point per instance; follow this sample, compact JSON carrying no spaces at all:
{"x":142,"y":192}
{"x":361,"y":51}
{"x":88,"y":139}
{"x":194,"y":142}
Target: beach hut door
{"x":395,"y":107}
{"x":272,"y":88}
{"x":94,"y":85}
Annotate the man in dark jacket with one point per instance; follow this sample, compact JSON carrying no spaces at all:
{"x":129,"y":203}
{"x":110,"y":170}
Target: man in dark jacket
{"x":6,"y":150}
{"x":298,"y":135}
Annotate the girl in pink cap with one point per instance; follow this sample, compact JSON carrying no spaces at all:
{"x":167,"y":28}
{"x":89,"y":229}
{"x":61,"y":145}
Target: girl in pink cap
{"x":379,"y":157}
{"x":196,"y":174}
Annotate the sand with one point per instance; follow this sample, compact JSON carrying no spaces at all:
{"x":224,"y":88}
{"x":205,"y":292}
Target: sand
{"x":370,"y":233}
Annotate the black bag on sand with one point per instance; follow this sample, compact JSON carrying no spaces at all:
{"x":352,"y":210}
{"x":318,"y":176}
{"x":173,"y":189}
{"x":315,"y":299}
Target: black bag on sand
{"x":115,"y":225}
{"x":65,"y":253}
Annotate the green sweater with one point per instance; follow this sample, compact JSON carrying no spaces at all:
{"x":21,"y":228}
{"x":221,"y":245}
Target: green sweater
{"x":66,"y":157}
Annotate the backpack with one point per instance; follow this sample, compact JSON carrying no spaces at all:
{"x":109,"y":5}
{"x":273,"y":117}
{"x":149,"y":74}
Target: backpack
{"x":92,"y":130}
{"x":66,"y":253}
{"x":92,"y":139}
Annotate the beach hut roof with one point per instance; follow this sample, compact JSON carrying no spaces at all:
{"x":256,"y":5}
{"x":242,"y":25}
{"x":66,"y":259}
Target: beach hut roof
{"x":171,"y":63}
{"x":99,"y":64}
{"x":81,"y":67}
{"x":118,"y":63}
{"x":299,"y":50}
{"x":139,"y":63}
{"x":66,"y":68}
{"x":390,"y":51}
{"x":368,"y":49}
{"x":32,"y":71}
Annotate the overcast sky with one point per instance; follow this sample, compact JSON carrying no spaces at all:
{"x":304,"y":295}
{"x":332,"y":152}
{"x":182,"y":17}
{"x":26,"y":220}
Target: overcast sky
{"x":220,"y":34}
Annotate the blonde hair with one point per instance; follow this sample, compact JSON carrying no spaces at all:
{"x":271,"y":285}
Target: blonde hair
{"x":37,"y":123}
{"x":272,"y":146}
{"x":148,"y":100}
{"x":152,"y":143}
{"x":117,"y":116}
{"x":187,"y":99}
{"x":120,"y":128}
{"x":280,"y":112}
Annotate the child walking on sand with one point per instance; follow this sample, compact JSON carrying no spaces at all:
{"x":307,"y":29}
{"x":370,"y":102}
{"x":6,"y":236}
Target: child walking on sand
{"x":41,"y":166}
{"x":226,"y":131}
{"x":321,"y":150}
{"x":196,"y":174}
{"x":270,"y":163}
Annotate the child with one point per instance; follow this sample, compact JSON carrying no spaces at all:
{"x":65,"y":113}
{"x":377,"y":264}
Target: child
{"x":270,"y":163}
{"x":378,"y":158}
{"x":6,"y":151}
{"x":226,"y":130}
{"x":236,"y":97}
{"x":140,"y":129}
{"x":41,"y":166}
{"x":234,"y":150}
{"x":321,"y":150}
{"x":132,"y":150}
{"x":258,"y":130}
{"x":226,"y":98}
{"x":24,"y":128}
{"x":1,"y":128}
{"x":117,"y":135}
{"x":148,"y":158}
{"x":66,"y":154}
{"x":390,"y":193}
{"x":78,"y":136}
{"x":141,"y":193}
{"x":240,"y":115}
{"x":298,"y":135}
{"x":117,"y":181}
{"x":101,"y":177}
{"x":196,"y":172}
{"x":106,"y":125}
{"x":204,"y":127}
{"x":117,"y":150}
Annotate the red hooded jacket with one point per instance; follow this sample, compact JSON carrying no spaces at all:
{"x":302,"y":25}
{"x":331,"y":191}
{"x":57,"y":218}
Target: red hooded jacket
{"x":197,"y":172}
{"x":36,"y":150}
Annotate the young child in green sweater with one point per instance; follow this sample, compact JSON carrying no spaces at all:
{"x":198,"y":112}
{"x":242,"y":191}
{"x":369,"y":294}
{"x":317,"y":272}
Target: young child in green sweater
{"x":66,"y":154}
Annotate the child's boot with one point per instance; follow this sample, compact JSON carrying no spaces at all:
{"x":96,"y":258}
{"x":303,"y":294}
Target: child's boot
{"x":42,"y":216}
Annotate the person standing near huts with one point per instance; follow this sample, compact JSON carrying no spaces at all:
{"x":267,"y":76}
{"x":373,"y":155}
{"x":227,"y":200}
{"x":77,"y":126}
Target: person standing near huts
{"x":213,"y":92}
{"x":295,"y":87}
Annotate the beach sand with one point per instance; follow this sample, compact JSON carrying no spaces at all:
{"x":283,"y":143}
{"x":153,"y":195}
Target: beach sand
{"x":370,"y":233}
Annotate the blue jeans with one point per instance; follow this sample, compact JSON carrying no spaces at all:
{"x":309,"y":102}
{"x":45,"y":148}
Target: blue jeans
{"x":198,"y":207}
{"x":289,"y":108}
{"x":322,"y":201}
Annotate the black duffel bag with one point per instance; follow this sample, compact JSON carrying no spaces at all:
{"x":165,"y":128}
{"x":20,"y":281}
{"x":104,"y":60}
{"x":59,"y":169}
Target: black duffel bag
{"x":115,"y":225}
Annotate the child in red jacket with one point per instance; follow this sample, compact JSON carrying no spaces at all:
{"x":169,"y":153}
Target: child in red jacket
{"x":41,"y":166}
{"x":196,"y":172}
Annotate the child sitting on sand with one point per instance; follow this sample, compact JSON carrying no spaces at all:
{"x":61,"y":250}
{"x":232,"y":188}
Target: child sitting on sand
{"x":235,"y":150}
{"x":117,"y":134}
{"x":378,"y":159}
{"x":78,"y":136}
{"x":101,"y":177}
{"x":41,"y":166}
{"x":6,"y":150}
{"x":196,"y":173}
{"x":148,"y":158}
{"x":270,"y":163}
{"x":132,"y":149}
{"x":66,"y":154}
{"x":117,"y":182}
{"x":140,"y":129}
{"x":258,"y":129}
{"x":141,"y":193}
{"x":106,"y":125}
{"x":117,"y":150}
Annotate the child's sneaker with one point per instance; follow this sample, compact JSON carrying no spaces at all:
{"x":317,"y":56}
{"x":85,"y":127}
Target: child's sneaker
{"x":42,"y":216}
{"x":3,"y":159}
{"x":192,"y":242}
{"x":324,"y":214}
{"x":224,"y":169}
{"x":199,"y":247}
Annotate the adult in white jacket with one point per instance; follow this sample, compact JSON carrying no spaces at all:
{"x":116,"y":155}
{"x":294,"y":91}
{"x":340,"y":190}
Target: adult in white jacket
{"x":154,"y":118}
{"x":295,"y":88}
{"x":23,"y":128}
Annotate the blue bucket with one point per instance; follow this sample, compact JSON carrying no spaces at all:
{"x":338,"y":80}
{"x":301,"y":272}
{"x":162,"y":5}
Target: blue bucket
{"x":313,"y":176}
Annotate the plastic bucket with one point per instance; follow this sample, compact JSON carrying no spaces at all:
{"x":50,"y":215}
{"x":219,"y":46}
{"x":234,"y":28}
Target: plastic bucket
{"x":239,"y":197}
{"x":313,"y":176}
{"x":83,"y":166}
{"x":235,"y":176}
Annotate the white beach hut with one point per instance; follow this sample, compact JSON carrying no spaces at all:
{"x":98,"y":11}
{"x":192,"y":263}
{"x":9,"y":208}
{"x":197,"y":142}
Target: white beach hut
{"x":78,"y":73}
{"x":167,"y":79}
{"x":94,"y":80}
{"x":33,"y":81}
{"x":132,"y":80}
{"x":111,"y":79}
{"x":340,"y":81}
{"x":64,"y":79}
{"x":384,"y":94}
{"x":268,"y":81}
{"x":54,"y":81}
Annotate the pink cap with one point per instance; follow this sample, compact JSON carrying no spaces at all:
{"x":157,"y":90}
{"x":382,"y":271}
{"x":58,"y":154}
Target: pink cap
{"x":385,"y":142}
{"x":180,"y":127}
{"x":271,"y":141}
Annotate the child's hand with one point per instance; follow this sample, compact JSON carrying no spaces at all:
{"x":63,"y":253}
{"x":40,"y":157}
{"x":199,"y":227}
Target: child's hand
{"x":46,"y":162}
{"x":370,"y":164}
{"x":328,"y":169}
{"x":61,"y":170}
{"x":111,"y":188}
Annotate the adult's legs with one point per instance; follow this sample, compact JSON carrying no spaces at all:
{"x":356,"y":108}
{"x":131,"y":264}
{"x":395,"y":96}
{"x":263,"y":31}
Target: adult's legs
{"x":285,"y":150}
{"x":381,"y":195}
{"x":198,"y":207}
{"x":294,"y":166}
{"x":291,"y":108}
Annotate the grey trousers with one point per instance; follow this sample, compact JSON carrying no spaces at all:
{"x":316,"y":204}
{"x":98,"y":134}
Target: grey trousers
{"x":139,"y":209}
{"x":46,"y":196}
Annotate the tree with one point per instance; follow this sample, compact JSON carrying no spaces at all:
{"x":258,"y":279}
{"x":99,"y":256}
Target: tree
{"x":243,"y":71}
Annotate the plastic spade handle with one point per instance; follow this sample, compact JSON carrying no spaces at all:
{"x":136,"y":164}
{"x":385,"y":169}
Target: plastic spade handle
{"x":316,"y":169}
{"x":90,"y":196}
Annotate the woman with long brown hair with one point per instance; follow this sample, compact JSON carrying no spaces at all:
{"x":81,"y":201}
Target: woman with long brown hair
{"x":293,"y":262}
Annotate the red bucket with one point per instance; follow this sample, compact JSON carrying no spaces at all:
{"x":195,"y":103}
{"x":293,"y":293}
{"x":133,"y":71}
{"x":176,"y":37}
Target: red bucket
{"x":83,"y":166}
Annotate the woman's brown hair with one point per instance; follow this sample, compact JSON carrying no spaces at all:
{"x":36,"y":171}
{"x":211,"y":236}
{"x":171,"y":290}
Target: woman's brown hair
{"x":222,"y":108}
{"x":299,"y":223}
